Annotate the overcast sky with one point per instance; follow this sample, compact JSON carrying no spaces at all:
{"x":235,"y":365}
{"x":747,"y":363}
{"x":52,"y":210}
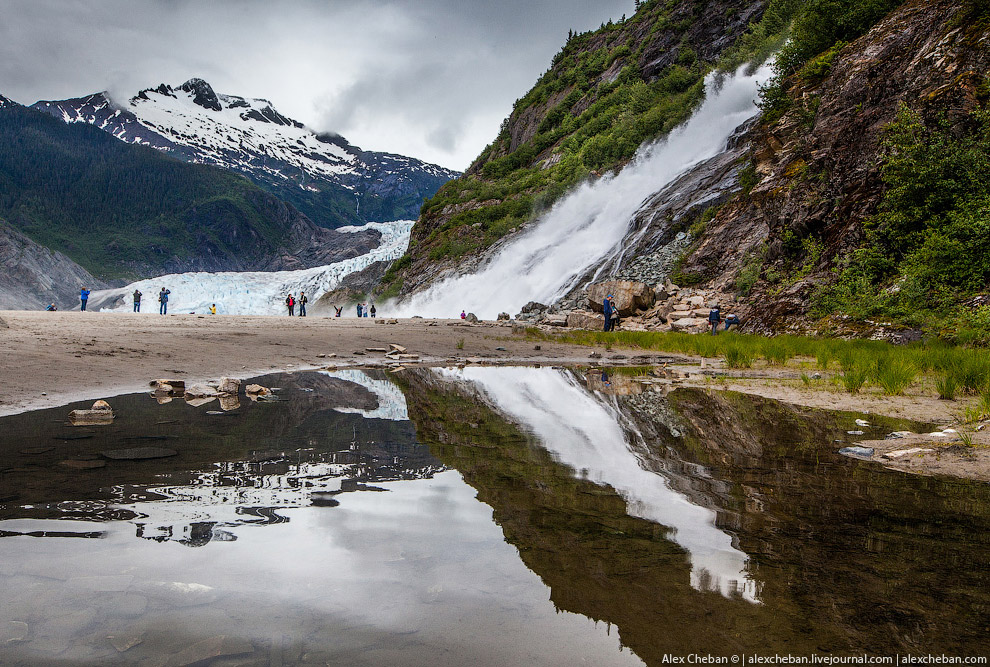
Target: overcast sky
{"x":427,"y":78}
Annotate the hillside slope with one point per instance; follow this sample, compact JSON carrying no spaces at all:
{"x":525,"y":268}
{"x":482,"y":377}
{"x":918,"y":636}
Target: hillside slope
{"x":866,"y":194}
{"x":125,"y":211}
{"x":329,"y":180}
{"x":606,"y":92}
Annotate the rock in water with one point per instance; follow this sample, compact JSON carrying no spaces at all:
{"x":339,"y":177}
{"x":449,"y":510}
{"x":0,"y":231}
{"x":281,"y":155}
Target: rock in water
{"x":257,"y":390}
{"x":101,"y":405}
{"x":200,"y":391}
{"x":864,"y":453}
{"x":229,"y":385}
{"x":90,"y":417}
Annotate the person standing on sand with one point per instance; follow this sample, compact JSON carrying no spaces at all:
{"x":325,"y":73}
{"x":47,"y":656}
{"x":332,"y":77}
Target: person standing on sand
{"x":373,"y":311}
{"x":607,"y":309}
{"x":213,"y":309}
{"x":137,"y":301}
{"x":364,"y":309}
{"x":359,"y":310}
{"x":302,"y":304}
{"x":338,"y":310}
{"x":290,"y":302}
{"x":163,"y":301}
{"x":83,"y":297}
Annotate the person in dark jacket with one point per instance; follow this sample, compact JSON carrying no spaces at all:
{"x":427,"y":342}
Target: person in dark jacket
{"x":607,"y":309}
{"x":338,"y":310}
{"x":732,"y":321}
{"x":163,"y":301}
{"x":302,"y":304}
{"x":715,"y":318}
{"x":83,"y":297}
{"x":373,"y":311}
{"x":137,"y":301}
{"x":290,"y":302}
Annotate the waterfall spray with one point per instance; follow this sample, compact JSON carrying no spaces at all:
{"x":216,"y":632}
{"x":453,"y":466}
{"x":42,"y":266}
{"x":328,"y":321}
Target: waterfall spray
{"x":589,"y":225}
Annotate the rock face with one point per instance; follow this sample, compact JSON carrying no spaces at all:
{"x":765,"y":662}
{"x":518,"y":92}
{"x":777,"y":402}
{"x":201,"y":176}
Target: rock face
{"x":628,"y":296}
{"x":32,"y":276}
{"x":818,"y":167}
{"x":586,"y":320}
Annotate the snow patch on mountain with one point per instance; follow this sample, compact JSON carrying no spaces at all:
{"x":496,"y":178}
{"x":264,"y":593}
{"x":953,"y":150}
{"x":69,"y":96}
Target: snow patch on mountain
{"x":254,"y":292}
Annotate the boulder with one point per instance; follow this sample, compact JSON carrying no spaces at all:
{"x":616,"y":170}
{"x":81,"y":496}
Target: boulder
{"x":229,"y":385}
{"x":686,"y":324}
{"x":627,"y":296}
{"x":660,"y":294}
{"x":101,"y":405}
{"x":696,"y":301}
{"x":257,"y":390}
{"x":556,"y":320}
{"x":472,"y":318}
{"x":585,"y":320}
{"x":176,"y":385}
{"x":229,"y":402}
{"x":533,"y":307}
{"x":504,"y":316}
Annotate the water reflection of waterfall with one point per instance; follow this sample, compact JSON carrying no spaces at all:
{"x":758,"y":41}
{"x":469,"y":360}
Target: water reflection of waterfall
{"x":590,"y":225}
{"x":592,"y":437}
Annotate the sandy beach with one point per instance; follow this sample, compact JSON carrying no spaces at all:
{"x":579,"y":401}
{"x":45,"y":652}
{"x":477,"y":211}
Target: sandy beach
{"x":50,"y":359}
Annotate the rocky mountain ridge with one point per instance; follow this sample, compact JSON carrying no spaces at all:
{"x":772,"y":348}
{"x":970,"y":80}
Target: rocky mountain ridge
{"x":331,"y":181}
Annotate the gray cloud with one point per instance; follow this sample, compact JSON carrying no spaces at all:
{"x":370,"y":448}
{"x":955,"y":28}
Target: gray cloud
{"x":428,"y":78}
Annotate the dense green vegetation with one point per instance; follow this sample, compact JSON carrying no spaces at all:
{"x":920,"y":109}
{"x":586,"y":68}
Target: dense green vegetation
{"x":928,"y":249}
{"x":889,"y":368}
{"x":120,"y":210}
{"x":589,"y":112}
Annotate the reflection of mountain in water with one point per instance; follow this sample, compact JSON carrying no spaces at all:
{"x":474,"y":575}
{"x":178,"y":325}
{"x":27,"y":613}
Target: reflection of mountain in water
{"x":327,"y":436}
{"x":846,"y":557}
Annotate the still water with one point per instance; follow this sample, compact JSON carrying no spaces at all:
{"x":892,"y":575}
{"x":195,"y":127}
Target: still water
{"x":484,"y":516}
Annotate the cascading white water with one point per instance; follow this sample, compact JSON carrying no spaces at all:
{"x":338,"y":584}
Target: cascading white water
{"x":589,"y":224}
{"x":584,"y":432}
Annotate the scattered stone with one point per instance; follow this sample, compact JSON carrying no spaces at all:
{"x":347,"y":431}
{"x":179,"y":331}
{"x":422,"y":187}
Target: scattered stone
{"x":257,"y":390}
{"x":210,"y":649}
{"x":138,"y":453}
{"x":176,"y":385}
{"x":472,"y":318}
{"x":862,"y":422}
{"x":77,"y":464}
{"x":229,"y":402}
{"x":360,"y":353}
{"x":864,"y":453}
{"x":101,"y":405}
{"x":537,"y":347}
{"x":321,"y":356}
{"x":393,"y":321}
{"x":556,"y":320}
{"x":501,"y":349}
{"x":906,"y":452}
{"x":376,"y":349}
{"x":407,"y":356}
{"x":199,"y":391}
{"x":396,"y":348}
{"x":595,"y":355}
{"x":855,"y":432}
{"x":897,"y":435}
{"x":503,"y":317}
{"x":475,"y":360}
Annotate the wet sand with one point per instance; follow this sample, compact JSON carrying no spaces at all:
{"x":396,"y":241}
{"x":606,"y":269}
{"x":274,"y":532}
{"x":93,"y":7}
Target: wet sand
{"x":50,"y":359}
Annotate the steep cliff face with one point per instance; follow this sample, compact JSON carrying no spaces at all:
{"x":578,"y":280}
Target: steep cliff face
{"x":815,"y":174}
{"x":606,"y":92}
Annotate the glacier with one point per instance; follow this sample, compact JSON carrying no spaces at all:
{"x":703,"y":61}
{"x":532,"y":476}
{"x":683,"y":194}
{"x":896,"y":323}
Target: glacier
{"x":253,"y":292}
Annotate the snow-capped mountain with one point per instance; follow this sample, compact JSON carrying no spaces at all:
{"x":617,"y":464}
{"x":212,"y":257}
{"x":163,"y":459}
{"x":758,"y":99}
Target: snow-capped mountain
{"x":5,"y":102}
{"x":323,"y":175}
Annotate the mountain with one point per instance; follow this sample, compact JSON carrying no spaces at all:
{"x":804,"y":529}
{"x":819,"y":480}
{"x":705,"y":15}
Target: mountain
{"x":325,"y":177}
{"x":127,"y":211}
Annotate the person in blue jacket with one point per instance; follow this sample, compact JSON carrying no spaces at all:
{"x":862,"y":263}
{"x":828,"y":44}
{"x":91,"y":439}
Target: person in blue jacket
{"x":607,"y":309}
{"x":163,"y":300}
{"x":715,"y":318}
{"x":83,"y":297}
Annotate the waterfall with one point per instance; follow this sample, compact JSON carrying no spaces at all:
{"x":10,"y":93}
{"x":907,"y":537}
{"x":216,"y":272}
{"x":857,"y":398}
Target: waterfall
{"x":589,"y":225}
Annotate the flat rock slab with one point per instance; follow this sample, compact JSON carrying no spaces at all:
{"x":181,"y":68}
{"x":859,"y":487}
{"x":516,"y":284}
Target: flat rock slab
{"x":83,"y":465}
{"x":139,"y":453}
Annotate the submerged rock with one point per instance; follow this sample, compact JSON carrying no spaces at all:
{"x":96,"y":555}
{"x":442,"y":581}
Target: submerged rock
{"x":864,"y":453}
{"x":139,"y":453}
{"x":90,"y":417}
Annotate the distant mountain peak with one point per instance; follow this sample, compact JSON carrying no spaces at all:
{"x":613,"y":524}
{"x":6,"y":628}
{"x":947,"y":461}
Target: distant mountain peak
{"x":203,"y":93}
{"x":5,"y":102}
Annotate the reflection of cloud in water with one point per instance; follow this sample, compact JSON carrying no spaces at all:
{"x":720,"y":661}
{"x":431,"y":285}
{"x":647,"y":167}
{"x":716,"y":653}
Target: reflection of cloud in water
{"x":586,"y":434}
{"x":391,"y":401}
